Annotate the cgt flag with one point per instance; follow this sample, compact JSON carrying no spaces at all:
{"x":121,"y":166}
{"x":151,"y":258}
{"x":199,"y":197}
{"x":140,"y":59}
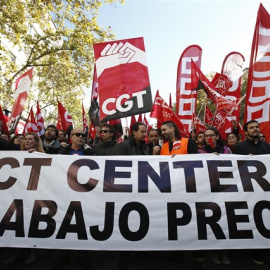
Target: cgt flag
{"x":123,"y":80}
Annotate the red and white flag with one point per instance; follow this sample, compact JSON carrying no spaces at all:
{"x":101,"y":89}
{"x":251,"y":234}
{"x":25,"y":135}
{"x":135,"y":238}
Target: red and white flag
{"x":185,"y":97}
{"x":162,"y":112}
{"x":199,"y":79}
{"x":22,"y":87}
{"x":30,"y":125}
{"x":3,"y":122}
{"x":232,"y":68}
{"x":123,"y":80}
{"x":64,"y":116}
{"x":40,"y":121}
{"x":92,"y":131}
{"x":258,"y":91}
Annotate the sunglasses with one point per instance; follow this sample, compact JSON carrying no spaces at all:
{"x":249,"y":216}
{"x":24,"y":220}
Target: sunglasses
{"x":79,"y":134}
{"x":104,"y":131}
{"x":262,"y":137}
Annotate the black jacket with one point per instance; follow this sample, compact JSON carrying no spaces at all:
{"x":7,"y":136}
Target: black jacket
{"x":105,"y":148}
{"x":129,"y":147}
{"x":250,"y":147}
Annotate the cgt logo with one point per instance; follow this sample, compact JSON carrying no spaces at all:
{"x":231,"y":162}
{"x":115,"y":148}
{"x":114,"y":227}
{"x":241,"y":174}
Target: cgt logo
{"x":111,"y":103}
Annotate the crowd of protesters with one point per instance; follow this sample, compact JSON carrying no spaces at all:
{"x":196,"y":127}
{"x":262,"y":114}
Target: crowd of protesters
{"x":165,"y":141}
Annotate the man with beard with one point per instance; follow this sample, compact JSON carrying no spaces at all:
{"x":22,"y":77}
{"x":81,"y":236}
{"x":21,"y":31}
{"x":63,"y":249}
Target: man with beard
{"x":253,"y":146}
{"x":135,"y":145}
{"x":50,"y":144}
{"x":175,"y":144}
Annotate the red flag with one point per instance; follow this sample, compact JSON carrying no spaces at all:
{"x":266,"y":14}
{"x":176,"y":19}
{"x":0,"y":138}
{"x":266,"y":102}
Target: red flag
{"x":197,"y":78}
{"x":221,"y":83}
{"x":22,"y":88}
{"x":3,"y":122}
{"x":85,"y":125}
{"x":140,"y":118}
{"x":258,"y":94}
{"x":40,"y":121}
{"x":162,"y":113}
{"x":132,"y":122}
{"x":66,"y":119}
{"x":199,"y":126}
{"x":92,"y":131}
{"x":30,"y":125}
{"x":123,"y":80}
{"x":208,"y":116}
{"x":185,"y":97}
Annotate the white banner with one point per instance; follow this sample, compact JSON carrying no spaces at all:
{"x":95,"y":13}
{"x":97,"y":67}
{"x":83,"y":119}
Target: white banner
{"x":134,"y":202}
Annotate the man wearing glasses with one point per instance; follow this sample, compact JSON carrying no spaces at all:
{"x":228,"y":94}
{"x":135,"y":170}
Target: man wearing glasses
{"x":108,"y":143}
{"x":77,"y":146}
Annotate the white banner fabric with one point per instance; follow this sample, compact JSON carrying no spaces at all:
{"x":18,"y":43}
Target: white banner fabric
{"x":185,"y":202}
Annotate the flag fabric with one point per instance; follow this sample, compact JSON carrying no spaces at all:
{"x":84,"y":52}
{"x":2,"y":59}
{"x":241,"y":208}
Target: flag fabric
{"x":198,"y":124}
{"x":22,"y":87}
{"x":208,"y":116}
{"x":221,"y":83}
{"x":232,"y":69}
{"x":123,"y":80}
{"x":3,"y":123}
{"x":258,"y":94}
{"x":198,"y":79}
{"x":64,"y":117}
{"x":30,"y":125}
{"x":132,"y":122}
{"x":40,"y":121}
{"x":185,"y":97}
{"x":140,"y":118}
{"x":162,"y":112}
{"x":92,"y":131}
{"x":94,"y":106}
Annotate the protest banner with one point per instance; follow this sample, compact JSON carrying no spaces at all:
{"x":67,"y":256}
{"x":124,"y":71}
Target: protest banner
{"x":185,"y":202}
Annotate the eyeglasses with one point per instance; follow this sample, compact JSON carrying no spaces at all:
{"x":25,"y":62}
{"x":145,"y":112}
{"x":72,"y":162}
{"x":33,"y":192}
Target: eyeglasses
{"x":209,"y":135}
{"x":79,"y":134}
{"x":104,"y":131}
{"x":262,"y":136}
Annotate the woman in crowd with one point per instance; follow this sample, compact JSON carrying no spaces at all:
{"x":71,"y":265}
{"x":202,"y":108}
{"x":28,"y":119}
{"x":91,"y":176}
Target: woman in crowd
{"x":16,"y":141}
{"x":214,"y":143}
{"x":31,"y":143}
{"x":232,"y":140}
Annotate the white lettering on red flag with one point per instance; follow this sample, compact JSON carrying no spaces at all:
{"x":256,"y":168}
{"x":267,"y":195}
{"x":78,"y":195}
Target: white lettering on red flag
{"x":22,"y":88}
{"x":185,"y":97}
{"x":123,"y":80}
{"x":258,"y":87}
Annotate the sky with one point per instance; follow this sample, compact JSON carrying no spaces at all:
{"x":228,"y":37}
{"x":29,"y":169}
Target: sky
{"x":170,"y":26}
